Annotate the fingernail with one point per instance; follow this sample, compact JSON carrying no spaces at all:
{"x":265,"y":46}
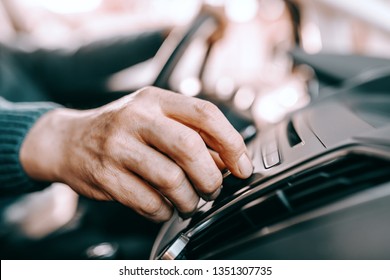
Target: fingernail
{"x":185,"y":216}
{"x":212,"y":196}
{"x":245,"y":165}
{"x":215,"y":194}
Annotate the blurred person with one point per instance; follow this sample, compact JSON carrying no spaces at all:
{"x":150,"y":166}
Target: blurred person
{"x":153,"y":150}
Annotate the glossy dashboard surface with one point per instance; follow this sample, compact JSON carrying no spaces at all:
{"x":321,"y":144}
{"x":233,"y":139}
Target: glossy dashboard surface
{"x":309,"y":162}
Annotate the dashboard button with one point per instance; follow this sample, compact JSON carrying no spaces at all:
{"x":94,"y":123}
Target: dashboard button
{"x":269,"y":147}
{"x":271,"y":159}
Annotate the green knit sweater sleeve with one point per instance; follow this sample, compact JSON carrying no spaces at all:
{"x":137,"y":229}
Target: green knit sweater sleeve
{"x":16,"y":119}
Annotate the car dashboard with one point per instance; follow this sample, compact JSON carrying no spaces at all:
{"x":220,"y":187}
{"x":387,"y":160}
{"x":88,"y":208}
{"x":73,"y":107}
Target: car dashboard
{"x":320,"y":188}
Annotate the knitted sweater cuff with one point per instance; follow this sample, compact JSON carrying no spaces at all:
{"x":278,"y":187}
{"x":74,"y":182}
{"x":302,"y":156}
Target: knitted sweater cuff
{"x":16,"y":119}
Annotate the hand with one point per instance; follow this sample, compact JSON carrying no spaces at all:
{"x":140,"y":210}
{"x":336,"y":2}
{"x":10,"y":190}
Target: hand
{"x":152,"y":151}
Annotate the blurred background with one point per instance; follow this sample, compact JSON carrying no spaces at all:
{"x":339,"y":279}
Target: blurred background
{"x":249,"y":65}
{"x":250,"y":69}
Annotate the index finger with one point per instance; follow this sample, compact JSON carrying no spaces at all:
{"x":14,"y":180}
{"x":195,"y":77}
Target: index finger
{"x":213,"y":127}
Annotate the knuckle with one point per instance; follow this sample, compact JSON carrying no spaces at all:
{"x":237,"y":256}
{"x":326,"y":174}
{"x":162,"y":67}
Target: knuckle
{"x":206,"y":110}
{"x":152,"y":97}
{"x":174,"y":179}
{"x":153,"y":207}
{"x":188,"y":143}
{"x":147,"y":91}
{"x":235,"y":143}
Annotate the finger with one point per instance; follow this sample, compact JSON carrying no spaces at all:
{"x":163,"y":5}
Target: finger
{"x":214,"y":128}
{"x":187,"y":149}
{"x":162,"y":173}
{"x":238,"y":163}
{"x":218,"y":161}
{"x":91,"y":191}
{"x":137,"y":194}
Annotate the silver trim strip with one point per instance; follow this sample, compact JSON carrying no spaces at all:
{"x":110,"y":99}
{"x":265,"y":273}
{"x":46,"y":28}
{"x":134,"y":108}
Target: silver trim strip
{"x":175,"y":249}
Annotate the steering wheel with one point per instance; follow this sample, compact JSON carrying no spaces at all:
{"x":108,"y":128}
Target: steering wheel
{"x":176,"y":45}
{"x":172,"y":51}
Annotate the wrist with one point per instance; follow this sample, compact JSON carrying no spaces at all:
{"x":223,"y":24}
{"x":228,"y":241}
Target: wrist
{"x":42,"y":152}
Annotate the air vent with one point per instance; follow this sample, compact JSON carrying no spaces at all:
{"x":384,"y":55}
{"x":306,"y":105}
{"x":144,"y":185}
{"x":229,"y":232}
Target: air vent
{"x":306,"y":190}
{"x":334,"y":180}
